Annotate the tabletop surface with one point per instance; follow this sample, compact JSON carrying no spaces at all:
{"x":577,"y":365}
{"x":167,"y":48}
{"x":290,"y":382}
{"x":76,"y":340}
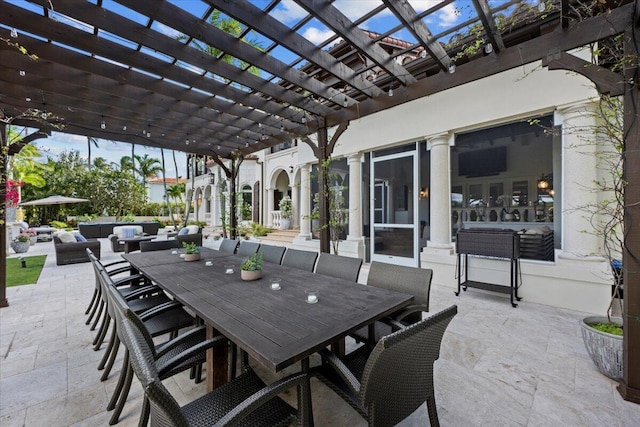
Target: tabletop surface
{"x":277,"y":328}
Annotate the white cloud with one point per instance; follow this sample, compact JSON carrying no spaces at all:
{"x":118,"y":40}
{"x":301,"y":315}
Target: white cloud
{"x":288,"y":12}
{"x":316,"y":35}
{"x":448,"y":16}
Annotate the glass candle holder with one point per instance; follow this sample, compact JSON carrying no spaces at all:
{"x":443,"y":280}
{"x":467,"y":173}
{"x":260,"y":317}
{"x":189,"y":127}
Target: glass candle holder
{"x":174,"y":252}
{"x":312,"y":296}
{"x":275,"y":284}
{"x":208,"y":263}
{"x":228,"y":269}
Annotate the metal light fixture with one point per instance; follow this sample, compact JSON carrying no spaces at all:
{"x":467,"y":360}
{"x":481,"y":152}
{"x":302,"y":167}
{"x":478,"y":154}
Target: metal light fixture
{"x":212,"y":178}
{"x":22,"y":73}
{"x":488,"y":48}
{"x":390,"y":91}
{"x":14,"y":33}
{"x":149,"y":131}
{"x":543,"y":182}
{"x":424,"y":192}
{"x":452,"y":68}
{"x":103,"y":125}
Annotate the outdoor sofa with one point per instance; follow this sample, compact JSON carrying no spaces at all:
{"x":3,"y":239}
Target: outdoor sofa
{"x":74,"y":252}
{"x":102,"y":230}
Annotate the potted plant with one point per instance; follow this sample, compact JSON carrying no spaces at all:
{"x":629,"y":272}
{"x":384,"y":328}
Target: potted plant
{"x":286,"y":212}
{"x":251,"y":267}
{"x":33,"y":236}
{"x":192,"y":251}
{"x":21,"y":243}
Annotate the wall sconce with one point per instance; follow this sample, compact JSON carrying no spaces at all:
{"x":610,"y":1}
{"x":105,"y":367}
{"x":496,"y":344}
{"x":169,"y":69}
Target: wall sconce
{"x":424,"y":193}
{"x":290,"y":169}
{"x":212,"y":178}
{"x":543,"y":182}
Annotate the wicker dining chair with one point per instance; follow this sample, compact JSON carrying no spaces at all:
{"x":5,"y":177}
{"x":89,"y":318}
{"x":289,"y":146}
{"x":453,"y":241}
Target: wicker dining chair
{"x":248,"y":248}
{"x":409,"y":280}
{"x":186,"y":351}
{"x":388,"y":382}
{"x":302,"y":260}
{"x":159,"y":245}
{"x":229,"y":245}
{"x":189,"y":238}
{"x":271,"y":253}
{"x":339,"y":266}
{"x":245,"y":400}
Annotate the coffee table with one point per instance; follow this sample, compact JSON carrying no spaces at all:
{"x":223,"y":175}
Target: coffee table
{"x":133,"y":243}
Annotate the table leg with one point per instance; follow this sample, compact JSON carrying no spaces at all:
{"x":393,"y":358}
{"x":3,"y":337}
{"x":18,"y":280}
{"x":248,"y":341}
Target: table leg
{"x":217,"y":361}
{"x":339,"y":347}
{"x":307,"y":409}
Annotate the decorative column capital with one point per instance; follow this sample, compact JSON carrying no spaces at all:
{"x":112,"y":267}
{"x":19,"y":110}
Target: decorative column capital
{"x":444,"y":138}
{"x":355,"y":157}
{"x":577,"y":108}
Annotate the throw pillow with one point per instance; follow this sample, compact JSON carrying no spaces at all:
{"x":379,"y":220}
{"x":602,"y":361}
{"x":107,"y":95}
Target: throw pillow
{"x":79,"y":237}
{"x":128,"y":232}
{"x":66,"y":237}
{"x":183,"y":231}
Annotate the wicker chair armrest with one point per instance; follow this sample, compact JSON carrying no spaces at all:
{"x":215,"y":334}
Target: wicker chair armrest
{"x":169,"y":345}
{"x":415,"y":308}
{"x":128,"y":280}
{"x":162,"y":308}
{"x":190,"y":353}
{"x":336,"y":364}
{"x":122,"y":261}
{"x":119,"y":270}
{"x":259,"y":398}
{"x":143,"y":291}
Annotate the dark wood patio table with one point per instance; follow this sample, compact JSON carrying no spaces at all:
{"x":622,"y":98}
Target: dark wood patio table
{"x":276,"y":328}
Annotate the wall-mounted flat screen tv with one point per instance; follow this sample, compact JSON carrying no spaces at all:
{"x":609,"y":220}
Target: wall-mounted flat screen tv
{"x":486,"y":162}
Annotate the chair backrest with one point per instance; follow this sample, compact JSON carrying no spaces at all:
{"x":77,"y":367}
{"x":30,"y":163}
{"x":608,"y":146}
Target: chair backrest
{"x":165,"y":411}
{"x":189,"y":238}
{"x":248,"y":248}
{"x":302,"y":260}
{"x":409,"y":280}
{"x":97,"y":266}
{"x":272,"y":253}
{"x":229,"y":245}
{"x":398,"y":376}
{"x":121,"y":310}
{"x":339,"y":266}
{"x":158,"y":245}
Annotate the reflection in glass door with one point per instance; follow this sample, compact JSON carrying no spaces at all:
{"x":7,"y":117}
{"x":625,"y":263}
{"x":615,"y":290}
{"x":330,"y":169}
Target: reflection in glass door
{"x":394,"y":202}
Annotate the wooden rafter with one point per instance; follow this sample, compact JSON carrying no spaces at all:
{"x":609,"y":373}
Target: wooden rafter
{"x":254,"y":18}
{"x":339,"y":23}
{"x":407,"y":15}
{"x":489,"y":24}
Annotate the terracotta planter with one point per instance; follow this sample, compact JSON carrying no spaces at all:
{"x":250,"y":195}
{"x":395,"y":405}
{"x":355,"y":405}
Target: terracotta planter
{"x":192,"y":257}
{"x":250,"y":275}
{"x":20,"y":247}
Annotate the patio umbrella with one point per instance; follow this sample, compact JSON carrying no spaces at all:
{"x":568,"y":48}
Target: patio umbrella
{"x":53,"y":200}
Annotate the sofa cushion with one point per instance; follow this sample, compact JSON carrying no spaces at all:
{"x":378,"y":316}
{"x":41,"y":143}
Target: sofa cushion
{"x":79,"y":237}
{"x":183,"y":231}
{"x":127,"y":231}
{"x":66,"y":237}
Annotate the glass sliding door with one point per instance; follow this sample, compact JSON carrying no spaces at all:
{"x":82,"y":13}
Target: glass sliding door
{"x":394,"y":209}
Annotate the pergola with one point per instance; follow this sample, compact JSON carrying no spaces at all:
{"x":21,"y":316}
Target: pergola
{"x":168,"y":74}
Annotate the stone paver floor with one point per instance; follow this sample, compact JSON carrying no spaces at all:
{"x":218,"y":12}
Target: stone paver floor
{"x":499,"y":366}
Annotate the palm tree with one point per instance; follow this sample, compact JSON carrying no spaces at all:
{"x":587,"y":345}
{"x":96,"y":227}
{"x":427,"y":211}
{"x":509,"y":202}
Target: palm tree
{"x":230,"y":26}
{"x":147,"y":167}
{"x":90,"y":141}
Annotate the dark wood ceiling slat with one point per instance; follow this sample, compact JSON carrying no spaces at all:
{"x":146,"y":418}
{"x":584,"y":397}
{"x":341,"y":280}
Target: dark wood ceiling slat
{"x":263,"y":23}
{"x":339,"y":23}
{"x":587,"y":31}
{"x":490,"y":28}
{"x":78,"y":39}
{"x":408,"y":17}
{"x":186,"y":23}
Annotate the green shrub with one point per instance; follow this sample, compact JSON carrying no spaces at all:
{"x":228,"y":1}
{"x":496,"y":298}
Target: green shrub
{"x":258,"y":229}
{"x":59,"y":224}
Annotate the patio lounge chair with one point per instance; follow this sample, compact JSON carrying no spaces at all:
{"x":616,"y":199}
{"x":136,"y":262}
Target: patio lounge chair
{"x":245,"y":400}
{"x":388,"y":382}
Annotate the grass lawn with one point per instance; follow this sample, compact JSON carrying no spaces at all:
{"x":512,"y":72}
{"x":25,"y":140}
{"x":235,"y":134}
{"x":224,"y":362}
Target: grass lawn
{"x":16,"y":275}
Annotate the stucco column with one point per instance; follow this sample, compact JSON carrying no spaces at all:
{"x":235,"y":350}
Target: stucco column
{"x":305,"y":205}
{"x":579,"y":171}
{"x":355,"y":197}
{"x":269,"y":206}
{"x":440,"y":194}
{"x":295,"y":204}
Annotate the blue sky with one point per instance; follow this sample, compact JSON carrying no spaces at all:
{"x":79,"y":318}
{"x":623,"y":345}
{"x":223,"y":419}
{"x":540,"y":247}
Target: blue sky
{"x":112,"y":151}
